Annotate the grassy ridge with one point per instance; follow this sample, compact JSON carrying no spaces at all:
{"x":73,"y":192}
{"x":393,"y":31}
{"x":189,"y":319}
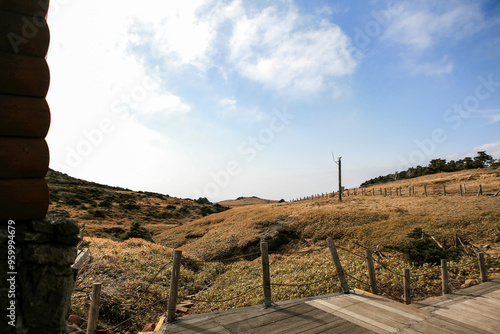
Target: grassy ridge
{"x":127,"y":268}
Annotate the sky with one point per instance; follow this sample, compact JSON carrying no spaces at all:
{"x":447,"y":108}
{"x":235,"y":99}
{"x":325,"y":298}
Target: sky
{"x":222,"y":99}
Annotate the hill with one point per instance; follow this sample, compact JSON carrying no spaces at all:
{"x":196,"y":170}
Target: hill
{"x":243,"y":201}
{"x":109,"y":211}
{"x":136,"y":273}
{"x":370,"y":220}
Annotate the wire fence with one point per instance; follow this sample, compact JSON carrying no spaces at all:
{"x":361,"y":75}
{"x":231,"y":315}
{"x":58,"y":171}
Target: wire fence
{"x":399,"y":292}
{"x":426,"y":190}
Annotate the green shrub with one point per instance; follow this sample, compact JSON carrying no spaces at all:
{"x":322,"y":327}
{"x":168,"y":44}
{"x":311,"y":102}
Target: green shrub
{"x":99,"y":214}
{"x":422,"y":249}
{"x":137,"y":231}
{"x":130,"y":206}
{"x":202,"y":200}
{"x":73,"y":201}
{"x":107,"y":203}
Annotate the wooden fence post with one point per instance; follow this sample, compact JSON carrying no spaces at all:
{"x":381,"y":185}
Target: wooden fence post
{"x":371,"y":272}
{"x":461,"y":191}
{"x":480,"y":192}
{"x":425,"y":190}
{"x":390,"y":191}
{"x":338,"y":265}
{"x":94,"y":308}
{"x":465,"y":190}
{"x":444,"y":190}
{"x":406,"y":286}
{"x":266,"y":276}
{"x":174,"y":285}
{"x":444,"y":275}
{"x":482,"y":268}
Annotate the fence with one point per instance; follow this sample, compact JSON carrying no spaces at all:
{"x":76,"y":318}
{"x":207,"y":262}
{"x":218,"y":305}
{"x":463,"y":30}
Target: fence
{"x":267,"y":283}
{"x":409,"y":191}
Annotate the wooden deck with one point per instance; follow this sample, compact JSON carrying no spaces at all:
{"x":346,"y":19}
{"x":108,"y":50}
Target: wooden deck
{"x":472,"y":310}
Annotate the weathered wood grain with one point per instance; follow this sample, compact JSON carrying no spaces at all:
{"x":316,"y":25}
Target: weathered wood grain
{"x":26,"y":7}
{"x":23,"y":157}
{"x":22,"y":116}
{"x":23,"y":199}
{"x":24,"y":35}
{"x":23,"y":75}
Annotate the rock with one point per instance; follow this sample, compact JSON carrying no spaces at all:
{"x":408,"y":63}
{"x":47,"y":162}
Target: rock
{"x":72,"y":328}
{"x":45,"y":250}
{"x":46,"y":294}
{"x":50,"y":254}
{"x":469,"y":282}
{"x":74,"y":319}
{"x":149,"y":328}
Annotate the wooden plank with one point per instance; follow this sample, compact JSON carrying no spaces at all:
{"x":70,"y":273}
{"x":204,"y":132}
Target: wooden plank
{"x":265,"y":318}
{"x":441,"y":325}
{"x":366,"y":323}
{"x":24,"y":35}
{"x":397,"y":319}
{"x":413,"y":314}
{"x":23,"y":199}
{"x":22,"y":116}
{"x":321,"y":322}
{"x":344,"y":328}
{"x":23,"y":75}
{"x":285,"y":322}
{"x":23,"y":157}
{"x":204,"y":325}
{"x":80,"y":259}
{"x":478,"y":310}
{"x":353,"y":317}
{"x":453,"y":312}
{"x":26,"y":7}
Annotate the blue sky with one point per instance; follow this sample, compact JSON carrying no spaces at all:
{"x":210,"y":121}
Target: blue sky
{"x":222,"y":99}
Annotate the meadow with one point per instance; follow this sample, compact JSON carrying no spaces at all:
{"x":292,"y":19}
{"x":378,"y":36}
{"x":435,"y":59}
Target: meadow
{"x":136,"y":273}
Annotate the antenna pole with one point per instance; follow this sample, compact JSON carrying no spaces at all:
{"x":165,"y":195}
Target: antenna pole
{"x":339,"y":163}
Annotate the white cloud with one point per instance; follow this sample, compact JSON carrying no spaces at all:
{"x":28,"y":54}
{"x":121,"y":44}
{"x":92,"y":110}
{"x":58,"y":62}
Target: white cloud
{"x":165,"y":103}
{"x":492,"y":149}
{"x":283,"y":51}
{"x":228,"y":103}
{"x":425,"y":28}
{"x":492,"y":114}
{"x":420,"y":25}
{"x":276,"y":46}
{"x":430,"y":69}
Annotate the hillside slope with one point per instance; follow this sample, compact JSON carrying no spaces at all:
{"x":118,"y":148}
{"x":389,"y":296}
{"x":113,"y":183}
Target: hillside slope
{"x":109,"y":211}
{"x":370,"y":220}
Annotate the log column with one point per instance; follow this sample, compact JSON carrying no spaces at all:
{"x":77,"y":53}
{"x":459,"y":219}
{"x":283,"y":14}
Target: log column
{"x":24,"y":162}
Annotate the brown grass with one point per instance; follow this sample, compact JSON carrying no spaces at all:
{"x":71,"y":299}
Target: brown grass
{"x":370,"y":220}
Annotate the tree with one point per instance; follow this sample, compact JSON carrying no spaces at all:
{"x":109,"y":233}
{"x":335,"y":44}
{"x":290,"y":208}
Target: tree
{"x":483,"y":160}
{"x":437,"y":165}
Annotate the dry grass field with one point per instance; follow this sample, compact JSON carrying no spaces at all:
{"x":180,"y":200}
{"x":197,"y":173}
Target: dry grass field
{"x":136,"y":273}
{"x":367,"y":219}
{"x":244,"y":201}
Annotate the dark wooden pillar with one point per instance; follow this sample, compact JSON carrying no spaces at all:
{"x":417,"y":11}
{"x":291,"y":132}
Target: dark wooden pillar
{"x":24,"y":113}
